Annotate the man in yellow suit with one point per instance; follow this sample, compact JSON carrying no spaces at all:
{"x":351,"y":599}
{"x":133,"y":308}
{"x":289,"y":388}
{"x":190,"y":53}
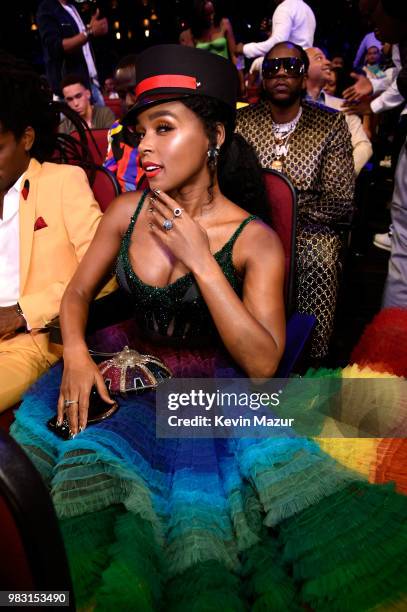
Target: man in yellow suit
{"x":48,"y":217}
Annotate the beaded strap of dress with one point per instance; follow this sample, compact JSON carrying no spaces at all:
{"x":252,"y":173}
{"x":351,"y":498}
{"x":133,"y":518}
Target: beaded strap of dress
{"x":177,"y":309}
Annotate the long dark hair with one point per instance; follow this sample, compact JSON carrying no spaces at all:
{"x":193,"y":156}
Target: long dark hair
{"x":199,"y":20}
{"x":238,"y":169}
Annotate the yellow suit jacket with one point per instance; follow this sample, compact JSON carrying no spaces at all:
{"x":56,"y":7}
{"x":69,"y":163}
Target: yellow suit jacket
{"x":61,"y":201}
{"x":58,"y":218}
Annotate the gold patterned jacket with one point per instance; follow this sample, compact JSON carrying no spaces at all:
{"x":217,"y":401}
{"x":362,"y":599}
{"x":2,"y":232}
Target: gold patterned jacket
{"x":319,"y":161}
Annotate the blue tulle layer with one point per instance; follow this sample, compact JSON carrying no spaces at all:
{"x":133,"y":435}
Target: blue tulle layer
{"x":173,"y":512}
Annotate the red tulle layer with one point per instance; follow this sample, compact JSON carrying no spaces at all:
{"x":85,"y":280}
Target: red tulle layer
{"x":383,"y":345}
{"x":391,"y":463}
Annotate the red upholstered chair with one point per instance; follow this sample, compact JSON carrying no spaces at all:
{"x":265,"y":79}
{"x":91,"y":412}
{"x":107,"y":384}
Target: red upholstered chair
{"x":97,"y":144}
{"x":104,"y":186}
{"x":282,"y":201}
{"x":32,"y":555}
{"x":115,"y":105}
{"x":253,"y":94}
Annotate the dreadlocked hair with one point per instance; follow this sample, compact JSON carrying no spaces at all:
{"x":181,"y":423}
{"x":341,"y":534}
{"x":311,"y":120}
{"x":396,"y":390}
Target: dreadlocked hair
{"x":70,"y":149}
{"x":238,"y":170}
{"x":26,"y":101}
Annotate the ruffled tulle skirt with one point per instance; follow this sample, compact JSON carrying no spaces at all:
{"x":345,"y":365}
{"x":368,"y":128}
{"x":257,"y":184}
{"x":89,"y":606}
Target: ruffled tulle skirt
{"x":210,"y":524}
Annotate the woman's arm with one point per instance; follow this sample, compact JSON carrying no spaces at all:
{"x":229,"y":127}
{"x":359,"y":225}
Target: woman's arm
{"x":252,"y":329}
{"x":92,"y":271}
{"x":80,"y":372}
{"x":230,"y":37}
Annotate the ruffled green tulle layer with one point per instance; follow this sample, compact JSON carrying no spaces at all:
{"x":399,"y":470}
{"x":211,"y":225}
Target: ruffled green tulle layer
{"x":205,"y":525}
{"x":327,"y":558}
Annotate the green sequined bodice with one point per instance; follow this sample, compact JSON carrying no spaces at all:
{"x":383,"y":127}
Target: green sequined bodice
{"x":176,"y":311}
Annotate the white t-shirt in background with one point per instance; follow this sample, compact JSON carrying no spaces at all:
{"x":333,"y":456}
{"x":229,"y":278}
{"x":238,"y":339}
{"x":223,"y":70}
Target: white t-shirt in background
{"x":293,"y":20}
{"x":10,"y":246}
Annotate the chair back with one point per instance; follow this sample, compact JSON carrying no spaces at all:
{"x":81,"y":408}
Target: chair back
{"x":282,"y":201}
{"x":32,"y":554}
{"x":115,"y":105}
{"x":7,"y":417}
{"x":97,"y":144}
{"x":104,"y":185}
{"x":253,"y":94}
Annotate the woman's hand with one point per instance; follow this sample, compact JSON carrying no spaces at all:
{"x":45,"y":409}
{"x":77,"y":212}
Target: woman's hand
{"x":186,"y":239}
{"x":80,"y":374}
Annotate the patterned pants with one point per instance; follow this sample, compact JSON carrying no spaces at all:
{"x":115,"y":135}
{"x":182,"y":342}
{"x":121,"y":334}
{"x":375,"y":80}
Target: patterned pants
{"x":318,"y":268}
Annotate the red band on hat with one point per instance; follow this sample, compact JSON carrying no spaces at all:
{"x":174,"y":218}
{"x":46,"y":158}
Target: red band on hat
{"x":166,"y":80}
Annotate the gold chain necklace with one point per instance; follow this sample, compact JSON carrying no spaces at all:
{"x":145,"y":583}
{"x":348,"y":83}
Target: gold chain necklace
{"x":280,"y":149}
{"x":281,"y":141}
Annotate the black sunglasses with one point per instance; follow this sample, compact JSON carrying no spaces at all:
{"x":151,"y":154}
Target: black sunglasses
{"x":293,"y":67}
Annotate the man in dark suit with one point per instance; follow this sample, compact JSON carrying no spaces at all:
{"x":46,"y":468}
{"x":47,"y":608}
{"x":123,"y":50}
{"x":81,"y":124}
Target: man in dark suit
{"x":66,"y":44}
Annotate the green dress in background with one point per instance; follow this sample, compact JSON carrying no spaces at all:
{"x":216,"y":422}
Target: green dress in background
{"x":218,"y":46}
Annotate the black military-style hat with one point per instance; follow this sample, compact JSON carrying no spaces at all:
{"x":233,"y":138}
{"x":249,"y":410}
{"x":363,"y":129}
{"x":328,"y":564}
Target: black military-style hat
{"x":170,"y":72}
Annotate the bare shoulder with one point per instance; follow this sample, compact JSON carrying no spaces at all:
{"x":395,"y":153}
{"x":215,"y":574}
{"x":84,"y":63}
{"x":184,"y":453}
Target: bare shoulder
{"x":258,"y":233}
{"x":259,"y":244}
{"x":186,"y":38}
{"x":226,"y":26}
{"x":121,"y":210}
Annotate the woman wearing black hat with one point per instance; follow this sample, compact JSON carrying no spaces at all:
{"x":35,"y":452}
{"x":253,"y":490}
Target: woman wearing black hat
{"x":192,"y":523}
{"x":183,"y":232}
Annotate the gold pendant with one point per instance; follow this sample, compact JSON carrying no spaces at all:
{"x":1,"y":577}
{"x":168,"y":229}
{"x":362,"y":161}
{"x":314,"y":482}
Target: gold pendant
{"x":277,"y":165}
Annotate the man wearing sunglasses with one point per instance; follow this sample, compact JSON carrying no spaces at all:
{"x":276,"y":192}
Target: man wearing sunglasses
{"x":122,"y":156}
{"x":312,"y":147}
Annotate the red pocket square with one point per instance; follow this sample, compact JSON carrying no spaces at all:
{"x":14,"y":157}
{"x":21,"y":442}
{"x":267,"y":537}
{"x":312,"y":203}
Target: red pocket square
{"x":26,"y":189}
{"x":39,"y":224}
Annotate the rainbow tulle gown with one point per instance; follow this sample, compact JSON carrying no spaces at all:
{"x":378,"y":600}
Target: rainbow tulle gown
{"x":274,"y":524}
